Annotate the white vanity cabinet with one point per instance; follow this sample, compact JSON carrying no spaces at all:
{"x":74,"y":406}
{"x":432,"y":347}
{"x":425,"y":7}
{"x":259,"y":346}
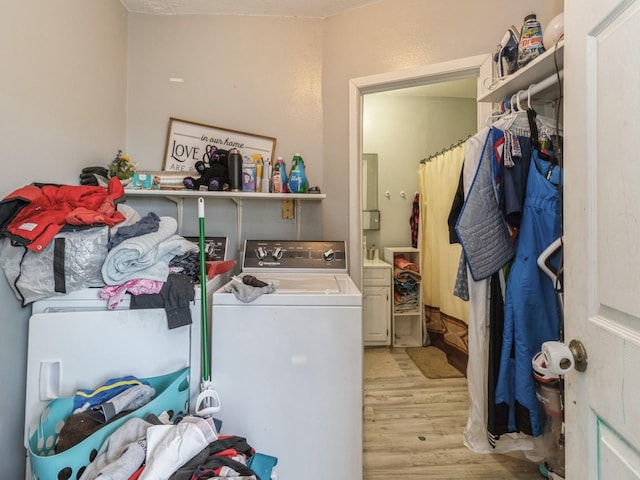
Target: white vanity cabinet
{"x":376,"y":302}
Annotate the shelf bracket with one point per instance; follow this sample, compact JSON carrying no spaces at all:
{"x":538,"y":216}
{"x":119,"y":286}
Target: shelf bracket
{"x":291,"y":204}
{"x":179,"y":201}
{"x":298,"y":215}
{"x":238,"y":202}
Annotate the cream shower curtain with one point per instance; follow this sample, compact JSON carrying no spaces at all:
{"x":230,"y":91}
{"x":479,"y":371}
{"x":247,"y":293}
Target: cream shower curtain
{"x":446,"y":316}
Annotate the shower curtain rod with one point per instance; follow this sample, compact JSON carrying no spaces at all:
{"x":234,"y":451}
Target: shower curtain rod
{"x":447,"y":149}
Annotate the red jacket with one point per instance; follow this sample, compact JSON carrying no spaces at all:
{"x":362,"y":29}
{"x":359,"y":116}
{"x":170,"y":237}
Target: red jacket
{"x":34,"y":214}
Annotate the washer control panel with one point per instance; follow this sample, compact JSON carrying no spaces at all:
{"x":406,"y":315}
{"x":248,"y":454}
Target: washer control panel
{"x":293,"y":255}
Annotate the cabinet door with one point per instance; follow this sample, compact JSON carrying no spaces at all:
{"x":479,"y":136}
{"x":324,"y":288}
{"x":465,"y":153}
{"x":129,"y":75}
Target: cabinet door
{"x":376,"y":315}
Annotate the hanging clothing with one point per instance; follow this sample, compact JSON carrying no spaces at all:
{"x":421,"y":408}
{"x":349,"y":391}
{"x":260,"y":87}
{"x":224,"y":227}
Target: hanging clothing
{"x":531,"y":317}
{"x":511,"y":160}
{"x":414,"y":220}
{"x":496,"y":328}
{"x":475,"y":431}
{"x":456,"y":208}
{"x":509,"y":150}
{"x":481,"y":227}
{"x":500,"y":185}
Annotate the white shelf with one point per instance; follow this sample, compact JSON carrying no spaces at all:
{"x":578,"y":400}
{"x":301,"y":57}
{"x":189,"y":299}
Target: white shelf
{"x":178,"y":196}
{"x":230,"y":195}
{"x":538,"y":69}
{"x":405,"y":341}
{"x":406,"y":325}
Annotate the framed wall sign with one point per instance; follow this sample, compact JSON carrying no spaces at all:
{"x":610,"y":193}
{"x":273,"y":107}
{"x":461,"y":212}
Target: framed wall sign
{"x":189,"y":142}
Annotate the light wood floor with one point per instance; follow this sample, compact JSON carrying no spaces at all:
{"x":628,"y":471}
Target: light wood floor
{"x":413,"y":427}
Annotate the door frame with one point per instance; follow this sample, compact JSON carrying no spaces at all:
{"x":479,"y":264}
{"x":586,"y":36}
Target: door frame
{"x":478,"y":66}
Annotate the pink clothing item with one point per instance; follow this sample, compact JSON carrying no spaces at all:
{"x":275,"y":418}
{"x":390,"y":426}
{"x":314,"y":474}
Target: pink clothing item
{"x":114,"y":294}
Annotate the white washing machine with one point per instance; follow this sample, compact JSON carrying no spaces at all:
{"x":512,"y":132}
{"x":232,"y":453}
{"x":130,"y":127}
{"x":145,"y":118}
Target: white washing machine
{"x":288,"y":365}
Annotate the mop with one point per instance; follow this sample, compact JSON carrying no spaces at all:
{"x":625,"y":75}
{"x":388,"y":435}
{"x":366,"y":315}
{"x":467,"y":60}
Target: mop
{"x":208,"y":401}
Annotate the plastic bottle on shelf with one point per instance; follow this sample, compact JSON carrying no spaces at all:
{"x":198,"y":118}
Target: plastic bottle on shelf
{"x":279,"y":178}
{"x":235,"y":170}
{"x":297,"y":177}
{"x":531,"y":44}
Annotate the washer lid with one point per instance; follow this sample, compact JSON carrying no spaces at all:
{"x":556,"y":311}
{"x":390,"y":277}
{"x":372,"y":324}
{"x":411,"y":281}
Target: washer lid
{"x":299,"y":289}
{"x":304,"y":283}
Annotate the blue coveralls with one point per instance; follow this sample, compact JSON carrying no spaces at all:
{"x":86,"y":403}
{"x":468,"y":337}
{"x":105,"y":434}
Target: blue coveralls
{"x":531,"y":317}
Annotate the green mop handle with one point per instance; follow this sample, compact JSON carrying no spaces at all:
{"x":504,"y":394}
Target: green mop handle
{"x":203,"y":293}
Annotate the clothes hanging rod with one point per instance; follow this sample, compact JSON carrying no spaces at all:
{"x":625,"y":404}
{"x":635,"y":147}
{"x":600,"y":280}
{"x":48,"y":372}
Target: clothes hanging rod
{"x":514,"y":100}
{"x":536,"y":88}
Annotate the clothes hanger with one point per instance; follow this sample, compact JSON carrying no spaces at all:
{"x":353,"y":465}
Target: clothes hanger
{"x":545,"y":124}
{"x":520,"y":109}
{"x":512,"y":118}
{"x":500,"y":115}
{"x":546,"y":130}
{"x":545,"y":153}
{"x":516,"y":120}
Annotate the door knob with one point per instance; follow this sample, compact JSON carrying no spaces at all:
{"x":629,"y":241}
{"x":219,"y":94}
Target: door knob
{"x":579,"y":355}
{"x":557,"y":358}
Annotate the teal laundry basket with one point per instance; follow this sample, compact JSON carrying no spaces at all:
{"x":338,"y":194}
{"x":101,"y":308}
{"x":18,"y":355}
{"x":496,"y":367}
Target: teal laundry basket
{"x":172,"y":395}
{"x":262,"y":465}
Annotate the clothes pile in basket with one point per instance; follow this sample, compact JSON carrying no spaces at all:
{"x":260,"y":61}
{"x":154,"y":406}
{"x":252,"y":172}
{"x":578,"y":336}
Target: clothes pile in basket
{"x":154,"y":447}
{"x":130,"y":428}
{"x":187,"y":449}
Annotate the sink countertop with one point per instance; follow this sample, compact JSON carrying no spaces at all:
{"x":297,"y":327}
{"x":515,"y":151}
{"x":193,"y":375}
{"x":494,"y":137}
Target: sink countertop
{"x":376,"y":263}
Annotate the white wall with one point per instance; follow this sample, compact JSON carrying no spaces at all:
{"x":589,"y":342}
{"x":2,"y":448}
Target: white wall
{"x":402,"y":130}
{"x":62,"y":107}
{"x":392,"y":35}
{"x":63,"y":88}
{"x":255,"y":74}
{"x":259,"y":75}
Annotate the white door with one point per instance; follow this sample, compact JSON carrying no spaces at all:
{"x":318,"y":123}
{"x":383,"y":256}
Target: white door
{"x":602,"y":236}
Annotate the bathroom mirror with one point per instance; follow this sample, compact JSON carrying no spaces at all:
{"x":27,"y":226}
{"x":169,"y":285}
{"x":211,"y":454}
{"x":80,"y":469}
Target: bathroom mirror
{"x":370,"y":212}
{"x":369,"y":181}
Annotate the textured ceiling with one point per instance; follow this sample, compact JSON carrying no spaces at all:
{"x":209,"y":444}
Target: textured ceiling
{"x":278,"y":8}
